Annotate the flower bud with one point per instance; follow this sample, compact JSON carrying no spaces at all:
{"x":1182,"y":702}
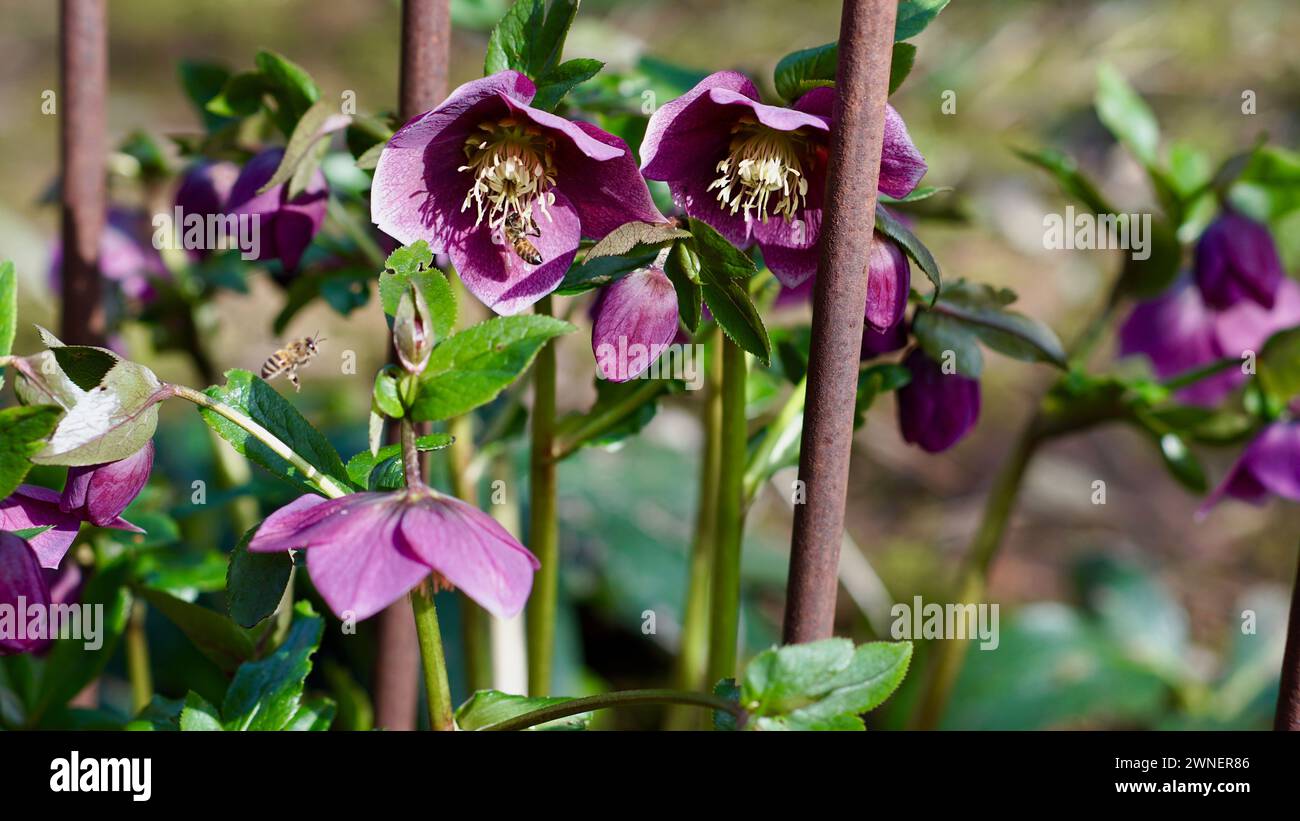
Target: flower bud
{"x":936,"y":409}
{"x":635,"y":321}
{"x":99,"y":493}
{"x":285,"y":226}
{"x":889,"y":281}
{"x":412,"y":331}
{"x":1236,"y":259}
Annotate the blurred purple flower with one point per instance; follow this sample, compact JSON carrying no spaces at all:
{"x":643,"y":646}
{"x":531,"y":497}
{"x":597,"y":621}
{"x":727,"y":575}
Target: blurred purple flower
{"x":31,"y":507}
{"x":1178,"y":332}
{"x":757,"y":172}
{"x":936,"y":409}
{"x":635,"y":320}
{"x":127,"y":256}
{"x":285,"y":226}
{"x":99,"y":493}
{"x":1236,"y":260}
{"x":1269,"y":466}
{"x":205,"y":190}
{"x":366,"y":550}
{"x":22,"y":585}
{"x":484,"y":170}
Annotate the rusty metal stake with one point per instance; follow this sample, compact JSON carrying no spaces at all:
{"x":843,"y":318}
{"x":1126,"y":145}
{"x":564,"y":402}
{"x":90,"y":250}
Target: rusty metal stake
{"x":83,"y":65}
{"x":862,"y":86}
{"x":1288,"y":696}
{"x":426,"y":40}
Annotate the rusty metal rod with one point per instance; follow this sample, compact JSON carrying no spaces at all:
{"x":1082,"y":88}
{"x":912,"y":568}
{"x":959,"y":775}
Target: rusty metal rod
{"x":861,"y":88}
{"x":1288,"y":696}
{"x":426,"y":40}
{"x":83,"y":79}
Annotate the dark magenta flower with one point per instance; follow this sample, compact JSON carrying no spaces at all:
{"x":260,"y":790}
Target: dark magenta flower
{"x":99,"y":493}
{"x":127,"y":256}
{"x":635,"y":321}
{"x":936,"y":409}
{"x":878,"y":343}
{"x":366,"y":550}
{"x":889,"y":282}
{"x":1178,"y":332}
{"x":757,"y":172}
{"x":505,"y":189}
{"x":22,"y":584}
{"x":285,"y":227}
{"x":1236,"y":260}
{"x":205,"y":190}
{"x":31,"y":507}
{"x":1269,"y":466}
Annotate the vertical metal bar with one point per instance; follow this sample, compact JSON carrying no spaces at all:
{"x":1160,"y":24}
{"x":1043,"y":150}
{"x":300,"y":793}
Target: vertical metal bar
{"x":1288,"y":696}
{"x":83,"y":64}
{"x":862,"y":87}
{"x":426,"y":40}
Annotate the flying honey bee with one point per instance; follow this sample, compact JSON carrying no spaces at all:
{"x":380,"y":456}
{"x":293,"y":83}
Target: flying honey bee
{"x":516,"y":234}
{"x":297,"y":354}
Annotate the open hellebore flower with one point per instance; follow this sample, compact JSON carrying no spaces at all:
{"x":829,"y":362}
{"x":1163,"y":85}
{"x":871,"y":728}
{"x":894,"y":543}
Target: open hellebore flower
{"x":936,"y":409}
{"x":204,"y":190}
{"x":366,"y":550}
{"x":22,"y":583}
{"x":32,"y":507}
{"x":757,"y":172}
{"x":636,"y":320}
{"x":505,"y":189}
{"x":126,"y":255}
{"x":99,"y":493}
{"x":285,"y":226}
{"x":1269,"y":466}
{"x":1236,"y":260}
{"x":1178,"y":332}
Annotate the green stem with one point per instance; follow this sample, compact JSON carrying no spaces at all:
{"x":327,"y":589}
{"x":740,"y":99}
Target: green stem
{"x":358,"y":233}
{"x":543,"y":530}
{"x":609,"y":417}
{"x":1204,"y":372}
{"x":327,"y":485}
{"x":787,"y":423}
{"x":432,"y":660}
{"x":475,"y":624}
{"x":725,"y":600}
{"x":624,"y":698}
{"x":693,"y":654}
{"x":137,"y":659}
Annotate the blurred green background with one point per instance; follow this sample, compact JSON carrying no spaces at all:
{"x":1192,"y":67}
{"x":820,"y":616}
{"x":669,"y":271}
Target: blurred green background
{"x":1104,"y":606}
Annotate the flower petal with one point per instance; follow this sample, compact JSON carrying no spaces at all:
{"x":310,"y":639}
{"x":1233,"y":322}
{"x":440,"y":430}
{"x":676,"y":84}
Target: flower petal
{"x":636,"y":319}
{"x":472,"y":551}
{"x":567,"y":132}
{"x":794,"y":267}
{"x":1270,"y":465}
{"x":686,"y":136}
{"x":936,"y":409}
{"x":778,"y":118}
{"x":101,"y":492}
{"x":606,"y":194}
{"x":889,"y":281}
{"x":901,"y":164}
{"x":32,"y":506}
{"x":693,"y":196}
{"x":364,"y":567}
{"x":20,"y":577}
{"x":1176,"y":331}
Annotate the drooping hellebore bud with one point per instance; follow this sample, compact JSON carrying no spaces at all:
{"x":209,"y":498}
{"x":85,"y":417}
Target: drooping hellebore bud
{"x":204,"y":190}
{"x":412,"y":331}
{"x":635,"y":321}
{"x":889,"y":281}
{"x":936,"y":409}
{"x":99,"y":493}
{"x":1236,"y":259}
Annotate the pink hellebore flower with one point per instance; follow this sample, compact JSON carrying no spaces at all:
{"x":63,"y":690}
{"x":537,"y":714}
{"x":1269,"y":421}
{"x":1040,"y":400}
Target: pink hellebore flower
{"x":30,"y":506}
{"x":21,"y":584}
{"x":1237,"y":260}
{"x":635,"y":321}
{"x":757,"y":172}
{"x":505,"y":189}
{"x":366,"y":550}
{"x":285,"y":226}
{"x":204,"y":190}
{"x":1269,"y":466}
{"x":99,"y":493}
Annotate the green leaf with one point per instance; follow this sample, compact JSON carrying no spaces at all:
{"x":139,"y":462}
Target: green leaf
{"x":240,"y":97}
{"x":198,"y":715}
{"x":529,"y":39}
{"x":414,"y":263}
{"x":824,"y":685}
{"x":202,"y":83}
{"x":923,"y":192}
{"x":1279,"y":365}
{"x":724,"y":273}
{"x":1150,"y":277}
{"x":472,"y":367}
{"x":726,"y":689}
{"x":596,"y":273}
{"x":559,"y":81}
{"x":895,"y":230}
{"x":802,"y":71}
{"x":915,"y":15}
{"x":22,"y":434}
{"x":622,"y":409}
{"x":682,"y":270}
{"x":628,"y":236}
{"x":265,"y":694}
{"x":305,"y":144}
{"x":1138,"y":612}
{"x":218,"y":638}
{"x":875,"y":380}
{"x":488,"y":707}
{"x":258,"y":400}
{"x":361,"y":465}
{"x":718,"y":258}
{"x":938,"y":333}
{"x":1126,"y":115}
{"x":982,"y":309}
{"x":71,"y":665}
{"x":292,"y":87}
{"x":1066,"y":171}
{"x":8,"y":308}
{"x":387,"y":394}
{"x":255,"y":582}
{"x":315,"y":715}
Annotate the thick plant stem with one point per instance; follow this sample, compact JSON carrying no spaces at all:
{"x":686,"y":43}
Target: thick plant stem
{"x":693,"y":654}
{"x":137,"y":659}
{"x":724,"y":604}
{"x":432,"y":661}
{"x":625,"y":698}
{"x":948,"y":655}
{"x":543,"y":529}
{"x":1288,"y":695}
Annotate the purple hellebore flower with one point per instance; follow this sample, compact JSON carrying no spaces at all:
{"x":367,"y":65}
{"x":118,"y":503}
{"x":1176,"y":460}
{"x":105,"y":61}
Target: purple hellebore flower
{"x":757,"y":172}
{"x":889,"y":282}
{"x":366,"y":550}
{"x":878,"y":343}
{"x":936,"y":409}
{"x":31,"y":506}
{"x":204,"y":190}
{"x":494,"y":183}
{"x":1236,"y":260}
{"x":285,"y":227}
{"x":1269,"y":466}
{"x":21,"y":583}
{"x":635,"y":320}
{"x":99,"y":493}
{"x":126,"y":255}
{"x":1178,"y":332}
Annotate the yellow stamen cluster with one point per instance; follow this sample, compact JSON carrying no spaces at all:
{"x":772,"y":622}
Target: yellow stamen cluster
{"x":761,"y":172}
{"x":512,"y":166}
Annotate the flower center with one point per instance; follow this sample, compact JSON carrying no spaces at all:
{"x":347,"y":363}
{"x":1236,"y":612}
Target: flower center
{"x":512,"y":167}
{"x":761,"y":172}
